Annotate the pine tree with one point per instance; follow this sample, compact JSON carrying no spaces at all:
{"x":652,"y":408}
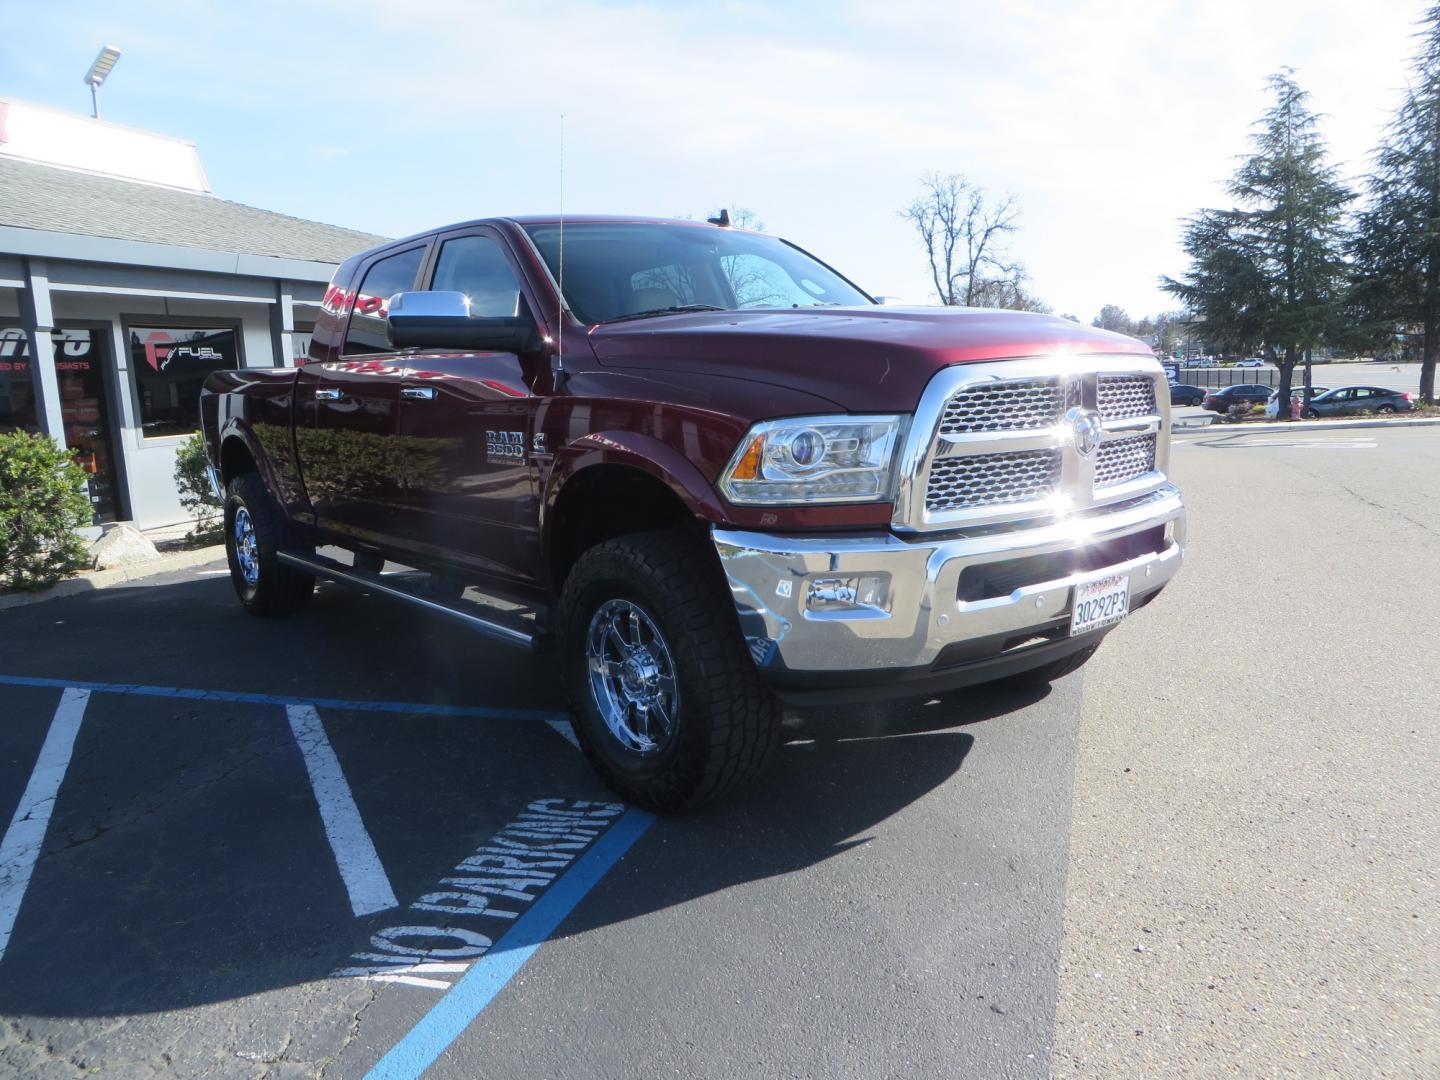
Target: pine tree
{"x":1272,"y":269}
{"x":1397,"y":237}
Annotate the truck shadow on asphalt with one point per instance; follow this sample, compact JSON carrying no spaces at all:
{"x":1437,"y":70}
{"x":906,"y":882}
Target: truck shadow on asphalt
{"x":186,"y":863}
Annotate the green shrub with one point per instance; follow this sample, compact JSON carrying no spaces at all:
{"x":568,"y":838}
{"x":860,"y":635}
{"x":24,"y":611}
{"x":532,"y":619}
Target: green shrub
{"x":193,"y":483}
{"x":43,"y":502}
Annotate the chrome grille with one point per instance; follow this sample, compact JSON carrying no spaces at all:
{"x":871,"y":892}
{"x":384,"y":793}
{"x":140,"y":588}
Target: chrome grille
{"x":1120,"y":397}
{"x":1124,"y":459}
{"x":1003,"y":406}
{"x":991,"y":440}
{"x":992,"y":479}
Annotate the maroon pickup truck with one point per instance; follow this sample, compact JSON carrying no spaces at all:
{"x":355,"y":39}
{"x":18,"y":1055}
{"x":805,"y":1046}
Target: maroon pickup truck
{"x":708,"y":471}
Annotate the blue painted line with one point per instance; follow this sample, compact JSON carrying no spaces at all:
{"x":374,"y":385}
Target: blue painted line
{"x":467,"y":999}
{"x":276,"y":699}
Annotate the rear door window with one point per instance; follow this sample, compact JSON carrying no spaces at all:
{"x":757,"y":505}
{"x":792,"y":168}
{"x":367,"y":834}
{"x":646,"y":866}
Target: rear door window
{"x":391,"y":275}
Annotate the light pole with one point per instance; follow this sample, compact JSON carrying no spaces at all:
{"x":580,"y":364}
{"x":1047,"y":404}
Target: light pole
{"x":97,"y":74}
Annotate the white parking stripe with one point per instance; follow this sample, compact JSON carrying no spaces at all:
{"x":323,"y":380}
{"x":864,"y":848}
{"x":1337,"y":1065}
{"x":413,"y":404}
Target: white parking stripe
{"x":565,"y":731}
{"x":355,"y":855}
{"x":21,"y":846}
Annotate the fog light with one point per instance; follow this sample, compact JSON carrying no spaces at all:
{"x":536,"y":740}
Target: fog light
{"x":863,"y":592}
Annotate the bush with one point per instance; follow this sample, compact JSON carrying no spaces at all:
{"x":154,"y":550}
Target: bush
{"x":193,"y":483}
{"x":43,"y":501}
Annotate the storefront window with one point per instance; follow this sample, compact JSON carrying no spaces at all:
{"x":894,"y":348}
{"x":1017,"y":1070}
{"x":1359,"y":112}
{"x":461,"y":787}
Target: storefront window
{"x":170,"y":364}
{"x":81,"y":360}
{"x":17,"y":385}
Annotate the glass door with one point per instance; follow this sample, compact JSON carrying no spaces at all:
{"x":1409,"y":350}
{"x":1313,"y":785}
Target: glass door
{"x":80,"y":372}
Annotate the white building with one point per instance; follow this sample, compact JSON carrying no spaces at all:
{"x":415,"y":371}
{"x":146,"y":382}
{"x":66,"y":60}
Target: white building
{"x":132,"y":282}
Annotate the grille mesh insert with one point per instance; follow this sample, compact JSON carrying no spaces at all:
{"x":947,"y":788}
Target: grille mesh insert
{"x":1007,"y":406}
{"x":992,"y":479}
{"x":1123,"y":460}
{"x":1122,"y":396}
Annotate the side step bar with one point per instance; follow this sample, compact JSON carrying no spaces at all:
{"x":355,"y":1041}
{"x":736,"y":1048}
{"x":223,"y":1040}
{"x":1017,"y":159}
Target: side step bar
{"x":465,"y":612}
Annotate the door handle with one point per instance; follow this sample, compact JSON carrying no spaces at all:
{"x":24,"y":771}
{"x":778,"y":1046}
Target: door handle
{"x":418,"y":393}
{"x":327,"y":395}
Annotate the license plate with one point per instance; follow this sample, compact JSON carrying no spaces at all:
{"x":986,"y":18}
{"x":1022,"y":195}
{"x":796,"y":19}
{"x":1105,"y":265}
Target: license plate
{"x":1098,"y":603}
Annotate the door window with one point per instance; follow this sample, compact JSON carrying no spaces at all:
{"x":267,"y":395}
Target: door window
{"x":393,"y":274}
{"x":475,"y":266}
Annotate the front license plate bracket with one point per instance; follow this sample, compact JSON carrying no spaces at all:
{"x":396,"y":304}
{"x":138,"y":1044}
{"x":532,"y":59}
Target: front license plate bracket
{"x":1099,"y":603}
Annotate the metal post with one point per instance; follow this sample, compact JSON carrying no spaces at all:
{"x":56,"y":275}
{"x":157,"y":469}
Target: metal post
{"x":94,"y":101}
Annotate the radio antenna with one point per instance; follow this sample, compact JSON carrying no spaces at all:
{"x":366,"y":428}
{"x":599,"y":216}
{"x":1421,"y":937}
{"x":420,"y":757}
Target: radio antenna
{"x":560,"y":312}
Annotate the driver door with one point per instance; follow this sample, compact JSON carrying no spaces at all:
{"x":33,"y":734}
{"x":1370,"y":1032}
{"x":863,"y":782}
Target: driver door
{"x":466,"y":424}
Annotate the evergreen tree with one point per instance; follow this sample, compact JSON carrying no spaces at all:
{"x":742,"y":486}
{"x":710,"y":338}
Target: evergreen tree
{"x":1272,"y":268}
{"x":1397,"y":241}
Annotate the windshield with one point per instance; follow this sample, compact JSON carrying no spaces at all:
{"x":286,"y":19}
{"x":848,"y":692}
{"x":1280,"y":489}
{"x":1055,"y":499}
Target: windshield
{"x":617,"y":270}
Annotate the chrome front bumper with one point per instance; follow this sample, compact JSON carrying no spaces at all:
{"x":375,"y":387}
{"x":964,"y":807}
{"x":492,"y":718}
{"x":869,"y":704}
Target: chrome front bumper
{"x":785,"y":588}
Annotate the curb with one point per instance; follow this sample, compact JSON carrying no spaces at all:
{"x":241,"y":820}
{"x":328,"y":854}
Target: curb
{"x":1272,"y":426}
{"x":104,"y":579}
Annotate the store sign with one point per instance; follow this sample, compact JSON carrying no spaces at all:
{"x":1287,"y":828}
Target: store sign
{"x":161,"y":350}
{"x":70,"y":346}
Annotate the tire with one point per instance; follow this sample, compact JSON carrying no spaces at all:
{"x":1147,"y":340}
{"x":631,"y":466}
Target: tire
{"x":659,"y":601}
{"x":1385,"y":410}
{"x":253,"y":530}
{"x":1309,"y":414}
{"x":1057,"y":669}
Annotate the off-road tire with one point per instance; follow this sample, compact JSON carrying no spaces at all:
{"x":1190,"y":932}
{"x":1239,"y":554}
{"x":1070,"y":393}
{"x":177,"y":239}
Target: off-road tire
{"x":1057,"y":669}
{"x":279,"y":589}
{"x":727,"y":721}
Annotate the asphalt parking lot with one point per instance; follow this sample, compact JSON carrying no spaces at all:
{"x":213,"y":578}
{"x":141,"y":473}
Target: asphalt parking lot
{"x":357,"y":841}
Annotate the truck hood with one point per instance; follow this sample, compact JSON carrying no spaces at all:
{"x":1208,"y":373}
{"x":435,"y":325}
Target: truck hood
{"x":866,"y":359}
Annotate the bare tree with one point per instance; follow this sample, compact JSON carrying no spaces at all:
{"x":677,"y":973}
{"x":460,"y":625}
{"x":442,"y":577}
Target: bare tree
{"x":964,"y":238}
{"x":742,"y":217}
{"x":1010,"y":293}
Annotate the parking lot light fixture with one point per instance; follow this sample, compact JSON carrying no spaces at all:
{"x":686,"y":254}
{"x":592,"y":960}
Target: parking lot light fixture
{"x":98,"y":73}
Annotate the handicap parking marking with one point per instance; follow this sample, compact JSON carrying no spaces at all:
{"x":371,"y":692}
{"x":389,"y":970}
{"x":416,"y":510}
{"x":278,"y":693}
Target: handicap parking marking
{"x":20,"y":848}
{"x":557,"y":836}
{"x":365,"y":879}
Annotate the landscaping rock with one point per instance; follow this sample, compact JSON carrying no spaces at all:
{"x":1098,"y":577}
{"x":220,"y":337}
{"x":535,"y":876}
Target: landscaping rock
{"x":121,"y":545}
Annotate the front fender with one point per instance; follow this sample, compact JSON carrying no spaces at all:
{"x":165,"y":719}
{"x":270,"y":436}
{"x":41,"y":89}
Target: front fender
{"x":644,"y":453}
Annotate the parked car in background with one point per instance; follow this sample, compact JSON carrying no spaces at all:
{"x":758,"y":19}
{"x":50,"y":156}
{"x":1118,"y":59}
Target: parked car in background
{"x":1186,"y":394}
{"x":1271,"y":405}
{"x":1349,"y":400}
{"x":1202,"y":361}
{"x":1220,"y":399}
{"x":1253,"y":361}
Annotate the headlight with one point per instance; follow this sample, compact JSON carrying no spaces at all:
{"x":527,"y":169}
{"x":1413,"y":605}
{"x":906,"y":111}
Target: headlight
{"x":814,"y":459}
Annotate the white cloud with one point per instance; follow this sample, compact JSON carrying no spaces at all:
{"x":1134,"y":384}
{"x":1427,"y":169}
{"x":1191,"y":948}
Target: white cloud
{"x":1110,"y":120}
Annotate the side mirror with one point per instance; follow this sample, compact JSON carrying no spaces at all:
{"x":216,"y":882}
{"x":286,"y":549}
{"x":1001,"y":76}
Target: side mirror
{"x":442,"y":320}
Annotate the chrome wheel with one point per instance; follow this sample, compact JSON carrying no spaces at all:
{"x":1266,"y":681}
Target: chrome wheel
{"x":632,"y":676}
{"x":246,"y":552}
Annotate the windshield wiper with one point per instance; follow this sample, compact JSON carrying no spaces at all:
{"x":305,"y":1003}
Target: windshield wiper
{"x":652,"y":312}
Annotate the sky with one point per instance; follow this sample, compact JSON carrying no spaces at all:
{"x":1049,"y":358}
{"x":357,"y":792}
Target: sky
{"x":1110,"y":121}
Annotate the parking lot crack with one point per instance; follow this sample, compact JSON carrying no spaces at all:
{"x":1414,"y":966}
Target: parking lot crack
{"x":372,"y":994}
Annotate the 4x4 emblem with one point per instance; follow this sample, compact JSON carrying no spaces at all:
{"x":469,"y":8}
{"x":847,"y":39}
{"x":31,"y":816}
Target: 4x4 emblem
{"x":1085,"y":430}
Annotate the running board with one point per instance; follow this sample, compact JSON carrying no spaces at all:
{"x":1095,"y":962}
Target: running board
{"x":320,"y":566}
